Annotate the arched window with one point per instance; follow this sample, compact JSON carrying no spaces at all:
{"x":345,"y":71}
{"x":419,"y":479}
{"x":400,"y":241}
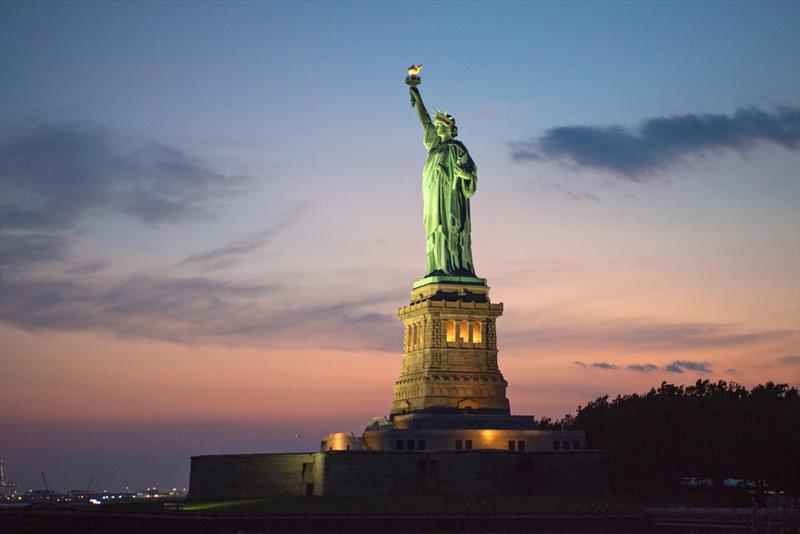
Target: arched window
{"x":463,"y":332}
{"x":477,"y":333}
{"x":451,"y":331}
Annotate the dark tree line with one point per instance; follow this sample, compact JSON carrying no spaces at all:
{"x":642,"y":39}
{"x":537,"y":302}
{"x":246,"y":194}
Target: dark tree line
{"x":711,"y":430}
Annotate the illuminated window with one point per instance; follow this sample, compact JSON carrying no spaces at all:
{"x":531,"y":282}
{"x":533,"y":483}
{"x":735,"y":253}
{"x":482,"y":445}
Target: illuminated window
{"x":451,"y":331}
{"x":477,"y":335}
{"x":463,"y":332}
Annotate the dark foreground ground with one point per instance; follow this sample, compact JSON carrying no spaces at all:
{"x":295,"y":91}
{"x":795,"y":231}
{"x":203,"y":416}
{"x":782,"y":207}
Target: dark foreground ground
{"x":529,"y":514}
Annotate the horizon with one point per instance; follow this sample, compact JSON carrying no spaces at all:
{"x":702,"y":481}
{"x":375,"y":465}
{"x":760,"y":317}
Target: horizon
{"x":211,"y":212}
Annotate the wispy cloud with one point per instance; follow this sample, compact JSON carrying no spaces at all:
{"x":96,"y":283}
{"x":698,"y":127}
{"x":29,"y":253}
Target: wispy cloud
{"x":643,"y":368}
{"x":787,"y":360}
{"x":660,"y":142}
{"x":679,"y":365}
{"x":53,"y":174}
{"x":676,"y":366}
{"x":23,"y":250}
{"x":561,"y":190}
{"x":641,"y":334}
{"x":192,"y":310}
{"x":597,"y":365}
{"x":85,"y":269}
{"x":227,"y":255}
{"x":782,"y":361}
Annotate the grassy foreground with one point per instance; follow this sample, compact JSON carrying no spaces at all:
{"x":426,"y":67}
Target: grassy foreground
{"x":434,"y":505}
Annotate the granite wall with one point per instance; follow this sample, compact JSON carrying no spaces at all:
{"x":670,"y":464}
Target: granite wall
{"x":339,"y":473}
{"x":242,"y":476}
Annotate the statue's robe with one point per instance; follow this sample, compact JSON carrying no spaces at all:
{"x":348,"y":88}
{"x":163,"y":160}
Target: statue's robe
{"x":445,"y":199}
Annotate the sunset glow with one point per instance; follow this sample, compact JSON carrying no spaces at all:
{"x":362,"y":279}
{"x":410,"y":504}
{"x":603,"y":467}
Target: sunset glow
{"x":207,"y":230}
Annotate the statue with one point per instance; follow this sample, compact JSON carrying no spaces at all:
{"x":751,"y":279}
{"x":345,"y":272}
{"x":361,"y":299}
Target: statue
{"x":449,"y":179}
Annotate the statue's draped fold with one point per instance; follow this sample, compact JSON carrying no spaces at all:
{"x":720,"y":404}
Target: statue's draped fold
{"x":449,"y":179}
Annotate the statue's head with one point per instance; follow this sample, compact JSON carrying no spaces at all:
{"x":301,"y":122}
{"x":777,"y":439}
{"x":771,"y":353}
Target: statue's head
{"x":445,"y":125}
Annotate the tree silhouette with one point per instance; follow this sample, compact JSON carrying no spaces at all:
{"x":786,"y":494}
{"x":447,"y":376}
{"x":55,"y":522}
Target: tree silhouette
{"x":714,"y":430}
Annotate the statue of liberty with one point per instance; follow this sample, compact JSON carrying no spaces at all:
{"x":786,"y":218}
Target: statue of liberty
{"x":449,"y":179}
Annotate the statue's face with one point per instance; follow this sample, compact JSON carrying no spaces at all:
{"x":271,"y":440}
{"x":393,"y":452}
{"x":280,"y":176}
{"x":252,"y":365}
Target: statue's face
{"x":444,"y":131}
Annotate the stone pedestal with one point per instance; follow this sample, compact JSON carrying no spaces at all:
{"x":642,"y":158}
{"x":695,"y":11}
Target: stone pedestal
{"x":450,"y":350}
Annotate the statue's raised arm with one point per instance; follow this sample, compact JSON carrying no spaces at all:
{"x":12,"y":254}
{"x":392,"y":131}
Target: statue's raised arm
{"x":430,"y":137}
{"x":416,"y":102}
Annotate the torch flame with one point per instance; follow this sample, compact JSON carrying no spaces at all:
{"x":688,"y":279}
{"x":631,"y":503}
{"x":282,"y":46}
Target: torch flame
{"x":413,"y":70}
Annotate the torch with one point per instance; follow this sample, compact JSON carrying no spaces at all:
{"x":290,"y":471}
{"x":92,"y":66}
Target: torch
{"x":413,"y":79}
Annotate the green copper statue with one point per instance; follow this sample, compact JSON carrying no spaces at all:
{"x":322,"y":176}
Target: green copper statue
{"x":449,"y":179}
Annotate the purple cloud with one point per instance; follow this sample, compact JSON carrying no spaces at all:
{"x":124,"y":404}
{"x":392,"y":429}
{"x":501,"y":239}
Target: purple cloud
{"x":660,"y":142}
{"x":679,"y":365}
{"x":643,"y":368}
{"x":604,"y":365}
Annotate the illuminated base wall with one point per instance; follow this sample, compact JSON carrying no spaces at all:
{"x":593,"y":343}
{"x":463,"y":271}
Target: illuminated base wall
{"x":448,"y":432}
{"x":340,"y":473}
{"x":444,"y":440}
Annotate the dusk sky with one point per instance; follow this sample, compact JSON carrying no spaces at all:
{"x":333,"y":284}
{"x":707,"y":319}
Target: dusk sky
{"x":210,"y":213}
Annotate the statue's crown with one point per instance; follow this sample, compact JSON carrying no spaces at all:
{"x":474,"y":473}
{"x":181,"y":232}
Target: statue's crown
{"x":445,"y":117}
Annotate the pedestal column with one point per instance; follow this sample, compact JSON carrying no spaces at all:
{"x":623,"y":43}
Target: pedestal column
{"x":450,"y":350}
